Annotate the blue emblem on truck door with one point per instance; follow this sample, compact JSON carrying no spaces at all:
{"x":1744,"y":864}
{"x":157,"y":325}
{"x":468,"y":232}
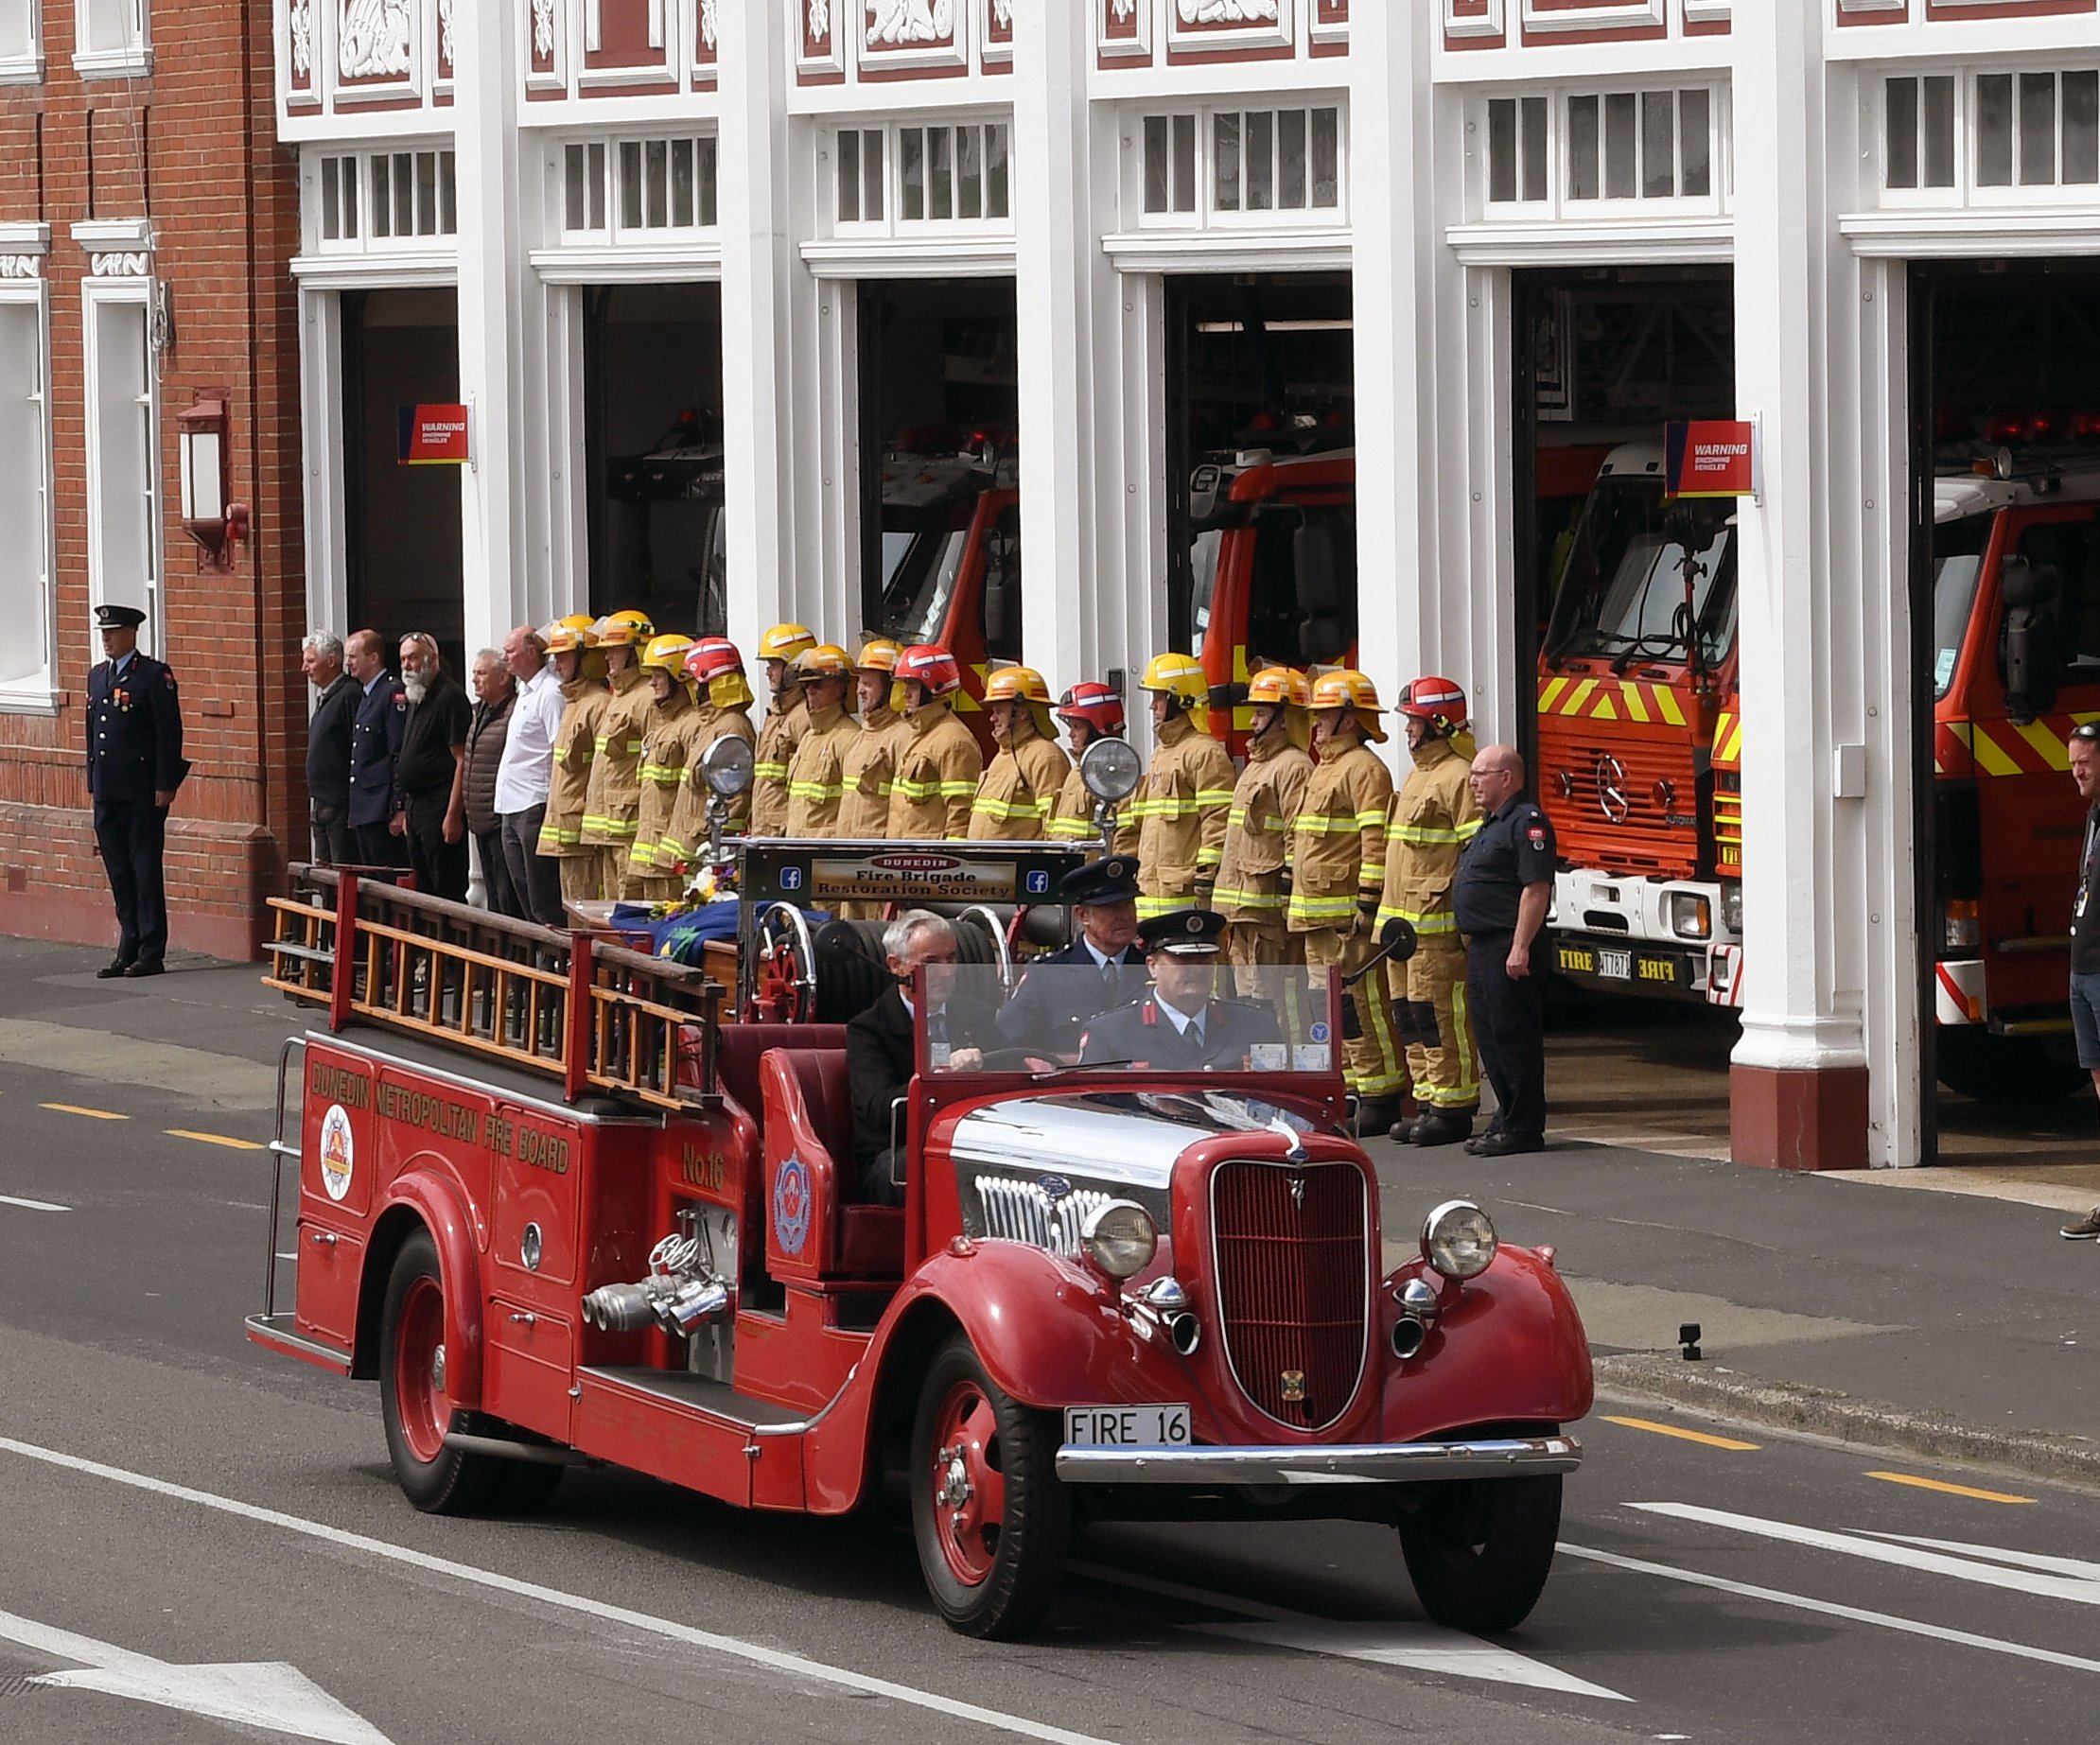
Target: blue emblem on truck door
{"x":791,"y":1205}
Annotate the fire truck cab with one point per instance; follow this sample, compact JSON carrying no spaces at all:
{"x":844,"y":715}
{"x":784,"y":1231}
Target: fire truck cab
{"x":564,"y":1213}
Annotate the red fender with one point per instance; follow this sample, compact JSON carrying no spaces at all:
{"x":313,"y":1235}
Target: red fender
{"x":437,"y":1200}
{"x":1507,"y":1348}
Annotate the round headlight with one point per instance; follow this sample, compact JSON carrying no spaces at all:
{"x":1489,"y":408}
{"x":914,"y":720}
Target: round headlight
{"x":1109,"y":770}
{"x":727,"y":766}
{"x":1458,"y":1239}
{"x":1119,"y":1238}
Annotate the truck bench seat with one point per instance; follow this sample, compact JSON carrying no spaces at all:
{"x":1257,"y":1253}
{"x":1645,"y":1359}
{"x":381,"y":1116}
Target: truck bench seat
{"x":809,"y":1115}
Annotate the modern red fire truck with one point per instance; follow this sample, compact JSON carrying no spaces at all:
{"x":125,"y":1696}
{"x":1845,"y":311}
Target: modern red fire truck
{"x":1639,"y":744}
{"x":564,"y":1213}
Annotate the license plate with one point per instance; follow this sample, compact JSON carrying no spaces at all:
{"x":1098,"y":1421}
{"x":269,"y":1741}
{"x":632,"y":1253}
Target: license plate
{"x":1125,"y":1426}
{"x":1616,"y":966}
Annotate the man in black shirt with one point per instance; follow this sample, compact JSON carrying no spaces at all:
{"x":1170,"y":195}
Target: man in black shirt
{"x":1504,"y":887}
{"x":328,"y":747}
{"x":430,"y":808}
{"x":2085,"y":932}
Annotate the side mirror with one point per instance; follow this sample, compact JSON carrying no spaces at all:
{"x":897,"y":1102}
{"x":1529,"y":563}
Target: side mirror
{"x":1002,"y":614}
{"x":2033,"y":659}
{"x":1315,"y":556}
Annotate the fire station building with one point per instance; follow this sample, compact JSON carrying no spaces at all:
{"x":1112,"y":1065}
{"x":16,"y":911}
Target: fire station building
{"x":698,"y":273}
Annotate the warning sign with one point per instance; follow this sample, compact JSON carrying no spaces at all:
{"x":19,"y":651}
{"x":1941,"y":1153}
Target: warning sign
{"x":1711,"y":456}
{"x":434,"y":436}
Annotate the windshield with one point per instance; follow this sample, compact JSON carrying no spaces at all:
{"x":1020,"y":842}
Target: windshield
{"x":1202,"y":564}
{"x":922,"y":555}
{"x":1621,"y":590}
{"x":1958,"y":565}
{"x":1182,"y":1016}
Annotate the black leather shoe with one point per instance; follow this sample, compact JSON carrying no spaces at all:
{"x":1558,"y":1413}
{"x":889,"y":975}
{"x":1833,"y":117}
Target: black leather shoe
{"x":121,"y":965}
{"x":1505,"y":1145}
{"x":1376,"y":1115}
{"x":144,"y":967}
{"x":1442,"y":1127}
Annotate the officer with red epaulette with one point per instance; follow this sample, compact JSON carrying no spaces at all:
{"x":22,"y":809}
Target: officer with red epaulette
{"x":1179,"y":1026}
{"x":135,"y":764}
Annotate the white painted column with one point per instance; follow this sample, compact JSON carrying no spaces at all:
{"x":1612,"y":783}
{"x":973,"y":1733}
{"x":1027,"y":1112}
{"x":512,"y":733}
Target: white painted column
{"x":321,"y":444}
{"x":1799,"y":1088}
{"x":1397,"y":251}
{"x":759,"y":275}
{"x":491,"y":256}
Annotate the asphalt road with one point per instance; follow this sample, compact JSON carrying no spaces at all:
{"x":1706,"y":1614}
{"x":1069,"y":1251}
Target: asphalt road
{"x":176,"y":1497}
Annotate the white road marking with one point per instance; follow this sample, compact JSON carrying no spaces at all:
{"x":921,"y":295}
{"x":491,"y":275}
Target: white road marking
{"x":774,"y":1659}
{"x":31,"y":1205}
{"x":269,"y":1695}
{"x":1425,"y":1648}
{"x":2080,"y":1591}
{"x":2076,"y":1568}
{"x":1801,"y":1602}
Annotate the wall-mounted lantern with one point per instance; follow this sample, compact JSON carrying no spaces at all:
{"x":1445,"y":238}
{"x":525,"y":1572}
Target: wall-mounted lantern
{"x":208,"y":518}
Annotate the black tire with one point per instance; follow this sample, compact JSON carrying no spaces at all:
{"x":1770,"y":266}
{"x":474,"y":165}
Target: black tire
{"x":2003,"y":1068}
{"x":991,"y":1573}
{"x":437,"y":1479}
{"x":1480,"y":1551}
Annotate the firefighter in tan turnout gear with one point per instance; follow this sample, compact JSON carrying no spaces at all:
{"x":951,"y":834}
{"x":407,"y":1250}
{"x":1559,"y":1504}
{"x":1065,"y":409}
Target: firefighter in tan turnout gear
{"x":939,"y":767}
{"x":786,"y":722}
{"x":871,"y":759}
{"x":1090,"y":711}
{"x":1338,"y":881}
{"x":614,"y":803}
{"x":1252,"y":878}
{"x":574,"y":643}
{"x":655,"y":863}
{"x":1433,"y":817}
{"x":1021,"y":783}
{"x":722,"y":703}
{"x":1182,"y":806}
{"x":816,"y":774}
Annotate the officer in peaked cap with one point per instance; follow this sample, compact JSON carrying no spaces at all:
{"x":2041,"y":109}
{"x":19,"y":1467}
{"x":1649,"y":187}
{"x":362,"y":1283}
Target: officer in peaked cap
{"x":1049,"y":1011}
{"x":1178,"y":1026}
{"x":135,"y":764}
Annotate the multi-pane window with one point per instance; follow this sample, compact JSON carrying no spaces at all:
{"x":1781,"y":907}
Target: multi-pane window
{"x":26,"y":579}
{"x":1517,"y":149}
{"x":639,"y":187}
{"x":1252,"y":161}
{"x":395,"y":196}
{"x":2024,"y":130}
{"x":110,"y":36}
{"x":1639,"y":144}
{"x":20,"y":38}
{"x":123,"y":441}
{"x":957,"y":173}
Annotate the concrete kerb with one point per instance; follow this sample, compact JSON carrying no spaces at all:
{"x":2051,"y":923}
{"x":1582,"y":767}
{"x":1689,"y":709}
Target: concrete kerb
{"x":1641,"y":1379}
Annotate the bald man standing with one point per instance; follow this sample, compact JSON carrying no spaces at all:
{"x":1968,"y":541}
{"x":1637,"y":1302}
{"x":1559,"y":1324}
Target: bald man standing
{"x":1503,"y":889}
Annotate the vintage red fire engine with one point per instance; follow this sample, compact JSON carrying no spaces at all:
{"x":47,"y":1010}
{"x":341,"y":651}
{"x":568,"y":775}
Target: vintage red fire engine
{"x":563,"y":1213}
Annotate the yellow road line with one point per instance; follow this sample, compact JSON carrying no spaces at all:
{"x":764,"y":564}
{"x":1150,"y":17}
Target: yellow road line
{"x":216,"y":1139}
{"x":1687,"y":1436}
{"x":1940,"y":1484}
{"x":93,"y":1114}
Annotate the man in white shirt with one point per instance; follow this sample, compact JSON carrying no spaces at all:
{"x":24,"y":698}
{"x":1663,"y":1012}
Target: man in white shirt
{"x":526,"y":773}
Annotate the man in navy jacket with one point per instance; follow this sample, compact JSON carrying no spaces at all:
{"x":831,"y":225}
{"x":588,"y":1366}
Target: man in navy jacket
{"x":376,"y":729}
{"x":135,"y":764}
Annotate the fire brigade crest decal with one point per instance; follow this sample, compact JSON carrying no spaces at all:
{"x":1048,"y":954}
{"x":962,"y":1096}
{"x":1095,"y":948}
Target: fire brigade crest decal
{"x":338,"y":1151}
{"x":791,"y":1205}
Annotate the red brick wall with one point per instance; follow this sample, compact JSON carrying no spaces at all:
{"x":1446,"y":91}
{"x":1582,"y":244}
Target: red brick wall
{"x":193,"y":146}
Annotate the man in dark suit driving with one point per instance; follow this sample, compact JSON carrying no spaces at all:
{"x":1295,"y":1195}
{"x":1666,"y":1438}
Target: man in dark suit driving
{"x":1048,"y":1011}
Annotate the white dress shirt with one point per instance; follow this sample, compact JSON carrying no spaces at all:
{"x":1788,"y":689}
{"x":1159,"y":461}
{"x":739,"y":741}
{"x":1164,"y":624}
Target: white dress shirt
{"x":527,"y":771}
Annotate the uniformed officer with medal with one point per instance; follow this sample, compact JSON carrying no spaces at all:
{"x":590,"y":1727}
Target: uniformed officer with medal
{"x":134,"y":766}
{"x":1180,"y":1025}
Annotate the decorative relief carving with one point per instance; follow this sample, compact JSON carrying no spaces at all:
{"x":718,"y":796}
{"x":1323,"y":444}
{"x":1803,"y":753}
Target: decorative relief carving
{"x":119,"y":264}
{"x":1221,"y":12}
{"x":1002,"y":14}
{"x":20,"y":267}
{"x":819,"y":29}
{"x":300,"y":18}
{"x":896,"y":24}
{"x":374,"y":41}
{"x":444,"y":35}
{"x":1122,"y":9}
{"x":543,"y":29}
{"x":711,"y":24}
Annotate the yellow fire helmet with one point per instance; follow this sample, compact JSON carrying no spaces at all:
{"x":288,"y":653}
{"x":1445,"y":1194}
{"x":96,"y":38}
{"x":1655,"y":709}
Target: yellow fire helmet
{"x":667,"y":654}
{"x":1182,"y":677}
{"x":578,"y":630}
{"x":877,"y":655}
{"x":1346,"y":689}
{"x":1288,"y":688}
{"x":628,"y":629}
{"x":1017,"y":684}
{"x":825,"y":660}
{"x":785,"y":641}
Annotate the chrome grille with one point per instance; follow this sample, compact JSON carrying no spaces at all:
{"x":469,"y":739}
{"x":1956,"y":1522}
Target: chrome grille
{"x":1022,"y":1211}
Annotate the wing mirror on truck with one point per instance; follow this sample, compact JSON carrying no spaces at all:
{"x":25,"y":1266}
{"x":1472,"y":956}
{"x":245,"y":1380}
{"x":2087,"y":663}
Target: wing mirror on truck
{"x":2032,"y":656}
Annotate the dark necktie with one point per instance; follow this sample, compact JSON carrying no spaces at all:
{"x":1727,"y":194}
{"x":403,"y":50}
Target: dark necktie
{"x":937,"y":1025}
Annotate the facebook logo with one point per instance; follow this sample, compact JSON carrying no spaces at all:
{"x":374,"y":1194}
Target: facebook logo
{"x":1039,"y":883}
{"x":791,"y":877}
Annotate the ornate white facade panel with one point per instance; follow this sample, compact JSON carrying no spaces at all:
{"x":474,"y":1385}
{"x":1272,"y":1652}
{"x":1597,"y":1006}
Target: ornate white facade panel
{"x":995,"y":33}
{"x":546,"y":33}
{"x":1329,"y":25}
{"x":1708,"y":16}
{"x":705,"y":33}
{"x":116,"y":248}
{"x":1124,"y":30}
{"x":913,"y":36}
{"x":1568,"y":17}
{"x":1504,"y":24}
{"x":1467,"y":21}
{"x":440,"y":84}
{"x":298,"y":35}
{"x":376,"y":49}
{"x":1228,"y":26}
{"x":820,"y":32}
{"x":627,"y":45}
{"x":23,"y":249}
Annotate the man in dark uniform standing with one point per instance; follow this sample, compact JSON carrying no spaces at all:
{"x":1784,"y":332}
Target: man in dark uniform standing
{"x":135,"y":764}
{"x":375,"y":744}
{"x":1048,"y":1012}
{"x":328,"y":747}
{"x":1503,"y":892}
{"x":1178,"y":1026}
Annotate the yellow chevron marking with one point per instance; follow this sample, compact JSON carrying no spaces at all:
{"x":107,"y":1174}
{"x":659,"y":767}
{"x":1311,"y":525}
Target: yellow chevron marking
{"x":1604,"y":711}
{"x":2044,"y":738}
{"x":1635,"y":708}
{"x":1990,"y":756}
{"x":1580,"y":697}
{"x":1666,"y":700}
{"x":1551,"y":694}
{"x":1964,"y":732}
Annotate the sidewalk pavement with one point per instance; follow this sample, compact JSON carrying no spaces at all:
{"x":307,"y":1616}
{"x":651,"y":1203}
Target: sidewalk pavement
{"x":1933,"y":1311}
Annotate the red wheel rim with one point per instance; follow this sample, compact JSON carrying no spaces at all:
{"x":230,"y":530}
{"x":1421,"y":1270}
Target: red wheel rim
{"x":419,"y":1371}
{"x":969,"y":1490}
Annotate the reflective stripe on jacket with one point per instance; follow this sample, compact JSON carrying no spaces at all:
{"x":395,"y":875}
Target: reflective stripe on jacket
{"x":1181,"y":811}
{"x":678,"y":848}
{"x":664,"y":749}
{"x":870,"y":773}
{"x":937,"y":773}
{"x":1021,"y":785}
{"x":816,"y":775}
{"x":1337,"y":855}
{"x":785,"y":723}
{"x":561,"y":831}
{"x":615,"y":799}
{"x":1257,"y":830}
{"x":1433,"y":817}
